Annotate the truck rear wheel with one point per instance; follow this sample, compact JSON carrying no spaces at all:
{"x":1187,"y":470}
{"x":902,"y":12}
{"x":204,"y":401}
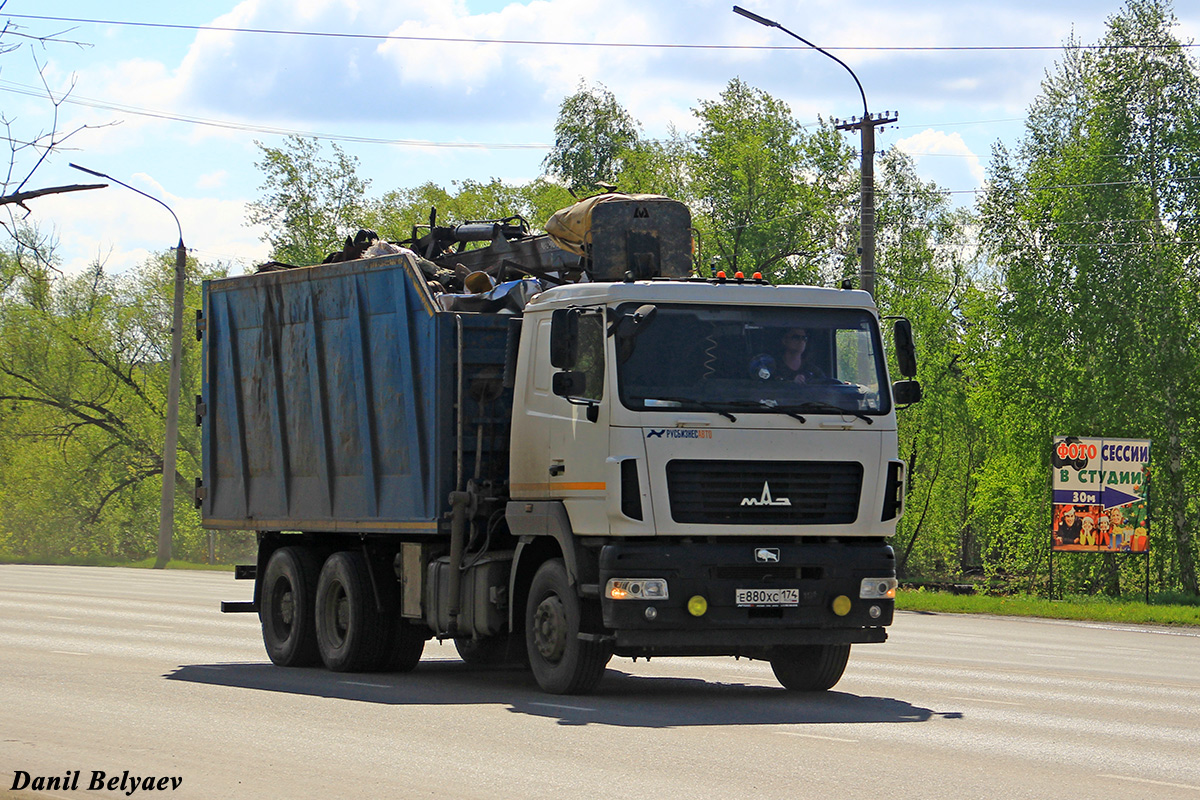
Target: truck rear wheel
{"x":352,"y":636}
{"x":810,"y":667}
{"x":286,"y":609}
{"x":562,"y":662}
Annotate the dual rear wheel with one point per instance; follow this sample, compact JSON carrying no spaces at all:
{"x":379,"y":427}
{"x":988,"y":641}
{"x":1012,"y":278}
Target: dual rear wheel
{"x":327,"y":612}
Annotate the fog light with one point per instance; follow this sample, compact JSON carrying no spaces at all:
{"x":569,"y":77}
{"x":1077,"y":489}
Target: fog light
{"x":874,"y":611}
{"x":652,"y":613}
{"x":841,"y":605}
{"x":697,"y":606}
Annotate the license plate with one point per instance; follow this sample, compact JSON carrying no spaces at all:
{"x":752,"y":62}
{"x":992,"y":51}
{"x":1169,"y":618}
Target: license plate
{"x":759,"y":598}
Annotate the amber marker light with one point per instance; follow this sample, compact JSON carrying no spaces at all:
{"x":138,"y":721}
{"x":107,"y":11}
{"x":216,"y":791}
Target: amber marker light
{"x":697,"y":606}
{"x":841,"y":605}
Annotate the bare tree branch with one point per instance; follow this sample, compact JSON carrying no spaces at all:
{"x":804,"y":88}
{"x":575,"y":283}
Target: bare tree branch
{"x":19,"y":198}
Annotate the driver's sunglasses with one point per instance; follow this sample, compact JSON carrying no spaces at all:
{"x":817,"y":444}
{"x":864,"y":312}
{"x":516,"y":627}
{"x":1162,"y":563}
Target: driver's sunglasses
{"x":802,"y":337}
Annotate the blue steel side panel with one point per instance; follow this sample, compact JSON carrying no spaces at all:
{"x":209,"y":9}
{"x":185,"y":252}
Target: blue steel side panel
{"x":329,"y":400}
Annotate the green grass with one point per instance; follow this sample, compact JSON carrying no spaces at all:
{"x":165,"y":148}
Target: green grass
{"x":1170,"y":610}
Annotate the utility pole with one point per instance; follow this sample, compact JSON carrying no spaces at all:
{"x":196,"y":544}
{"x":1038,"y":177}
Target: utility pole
{"x":866,"y":212}
{"x":866,"y":124}
{"x":166,"y":516}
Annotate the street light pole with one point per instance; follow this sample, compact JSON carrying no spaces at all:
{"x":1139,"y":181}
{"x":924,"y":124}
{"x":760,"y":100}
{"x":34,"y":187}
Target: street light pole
{"x":866,"y":219}
{"x":166,"y":517}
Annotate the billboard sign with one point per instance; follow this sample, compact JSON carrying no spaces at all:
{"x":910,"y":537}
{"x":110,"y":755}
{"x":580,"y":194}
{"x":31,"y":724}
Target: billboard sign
{"x":1100,"y":491}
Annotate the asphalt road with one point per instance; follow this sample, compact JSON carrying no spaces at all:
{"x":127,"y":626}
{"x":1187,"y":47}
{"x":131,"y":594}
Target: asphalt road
{"x":119,"y":670}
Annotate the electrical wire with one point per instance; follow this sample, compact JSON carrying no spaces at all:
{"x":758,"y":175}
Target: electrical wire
{"x":73,"y":99}
{"x":531,"y":42}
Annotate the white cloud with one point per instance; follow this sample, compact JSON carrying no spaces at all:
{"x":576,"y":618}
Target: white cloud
{"x":212,"y":180}
{"x":930,"y":145}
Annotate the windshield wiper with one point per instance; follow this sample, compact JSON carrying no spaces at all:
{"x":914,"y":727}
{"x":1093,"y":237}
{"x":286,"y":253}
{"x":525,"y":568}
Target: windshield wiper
{"x":690,"y":401}
{"x":769,"y":405}
{"x":815,"y":405}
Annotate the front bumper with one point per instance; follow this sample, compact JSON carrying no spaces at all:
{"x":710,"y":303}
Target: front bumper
{"x":820,"y":572}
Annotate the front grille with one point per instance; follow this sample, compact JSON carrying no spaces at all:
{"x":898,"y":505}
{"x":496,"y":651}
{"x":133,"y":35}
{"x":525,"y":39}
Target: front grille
{"x":764,"y":572}
{"x":764,"y":492}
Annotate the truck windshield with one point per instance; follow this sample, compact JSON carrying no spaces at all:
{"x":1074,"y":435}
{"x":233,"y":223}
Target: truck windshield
{"x":754,"y":360}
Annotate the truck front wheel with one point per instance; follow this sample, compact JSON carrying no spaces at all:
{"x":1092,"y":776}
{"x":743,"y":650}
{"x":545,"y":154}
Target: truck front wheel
{"x":286,"y":607}
{"x":351,"y":633}
{"x":811,"y":667}
{"x":562,"y":662}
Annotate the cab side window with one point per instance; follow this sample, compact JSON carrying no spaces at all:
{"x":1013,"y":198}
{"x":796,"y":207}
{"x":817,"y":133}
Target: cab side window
{"x":591,"y":355}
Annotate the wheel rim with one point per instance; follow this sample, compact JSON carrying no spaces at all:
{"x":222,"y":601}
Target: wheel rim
{"x":338,"y":610}
{"x":550,"y":629}
{"x":283,"y":608}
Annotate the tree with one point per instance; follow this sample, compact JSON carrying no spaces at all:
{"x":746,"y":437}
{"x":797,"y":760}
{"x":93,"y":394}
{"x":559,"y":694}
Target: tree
{"x":311,"y":202}
{"x":84,"y":364}
{"x":769,"y":196}
{"x":924,"y":256}
{"x":1092,"y":224}
{"x":591,"y":137}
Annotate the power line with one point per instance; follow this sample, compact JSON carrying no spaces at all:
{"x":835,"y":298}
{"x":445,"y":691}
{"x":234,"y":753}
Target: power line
{"x":17,"y":88}
{"x":544,"y":43}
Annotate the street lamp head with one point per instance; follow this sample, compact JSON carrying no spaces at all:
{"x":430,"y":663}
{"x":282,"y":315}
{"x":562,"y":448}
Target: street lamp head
{"x":755,"y":17}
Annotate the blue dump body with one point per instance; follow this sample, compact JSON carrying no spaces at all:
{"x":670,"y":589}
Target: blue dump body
{"x":329,"y":400}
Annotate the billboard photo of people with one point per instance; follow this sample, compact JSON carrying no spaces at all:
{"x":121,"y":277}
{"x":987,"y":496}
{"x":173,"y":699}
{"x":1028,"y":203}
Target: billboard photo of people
{"x":1076,"y":527}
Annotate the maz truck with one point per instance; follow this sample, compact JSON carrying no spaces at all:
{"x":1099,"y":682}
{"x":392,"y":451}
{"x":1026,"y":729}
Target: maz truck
{"x":553,"y":457}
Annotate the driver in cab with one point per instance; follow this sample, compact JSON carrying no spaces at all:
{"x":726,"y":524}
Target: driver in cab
{"x":791,"y":365}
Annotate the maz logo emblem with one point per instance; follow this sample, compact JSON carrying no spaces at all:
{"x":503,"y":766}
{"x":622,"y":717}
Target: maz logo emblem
{"x":765,"y":498}
{"x":768,"y":555}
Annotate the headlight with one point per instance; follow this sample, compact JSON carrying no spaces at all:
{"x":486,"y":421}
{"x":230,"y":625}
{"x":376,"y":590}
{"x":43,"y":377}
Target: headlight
{"x":636,"y":589}
{"x":878,"y":589}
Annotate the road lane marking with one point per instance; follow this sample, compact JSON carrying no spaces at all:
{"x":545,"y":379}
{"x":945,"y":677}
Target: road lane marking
{"x":559,"y":705}
{"x":68,"y":653}
{"x":360,"y":683}
{"x":51,"y":616}
{"x":1152,"y":783}
{"x":981,"y":700}
{"x":815,"y":736}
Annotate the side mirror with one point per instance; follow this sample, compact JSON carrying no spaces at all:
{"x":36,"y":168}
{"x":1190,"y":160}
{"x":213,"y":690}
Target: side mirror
{"x":564,"y":338}
{"x":569,"y":384}
{"x":906,"y":351}
{"x":905,"y":393}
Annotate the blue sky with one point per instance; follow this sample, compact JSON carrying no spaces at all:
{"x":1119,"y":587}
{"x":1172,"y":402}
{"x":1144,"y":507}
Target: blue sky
{"x":176,"y":112}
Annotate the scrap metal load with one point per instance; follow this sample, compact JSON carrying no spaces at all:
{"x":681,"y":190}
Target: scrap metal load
{"x":608,"y":237}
